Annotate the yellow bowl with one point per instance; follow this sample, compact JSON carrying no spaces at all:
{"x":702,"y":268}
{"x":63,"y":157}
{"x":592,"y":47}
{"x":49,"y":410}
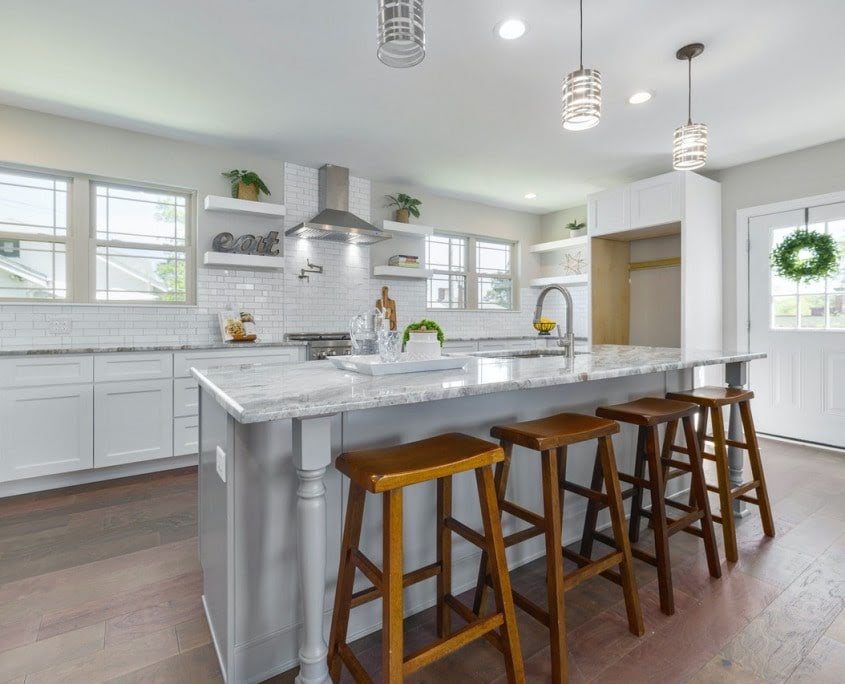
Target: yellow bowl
{"x":545,"y":326}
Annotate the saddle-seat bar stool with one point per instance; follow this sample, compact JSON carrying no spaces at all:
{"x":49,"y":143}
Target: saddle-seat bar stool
{"x":385,"y":472}
{"x":550,"y":437}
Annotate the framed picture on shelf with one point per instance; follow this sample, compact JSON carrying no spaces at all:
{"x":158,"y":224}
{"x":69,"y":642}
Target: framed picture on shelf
{"x":238,"y":326}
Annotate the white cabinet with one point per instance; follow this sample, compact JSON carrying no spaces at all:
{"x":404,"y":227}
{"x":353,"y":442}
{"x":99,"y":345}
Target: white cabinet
{"x":186,"y":401}
{"x":45,"y":430}
{"x":184,"y":361}
{"x":609,"y":211}
{"x":133,"y":421}
{"x":41,"y":371}
{"x":132,"y":366}
{"x":186,"y":435}
{"x":656,"y":201}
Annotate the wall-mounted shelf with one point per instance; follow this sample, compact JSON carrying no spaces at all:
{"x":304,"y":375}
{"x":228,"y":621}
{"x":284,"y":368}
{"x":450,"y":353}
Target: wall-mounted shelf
{"x":230,"y":260}
{"x":410,"y":229}
{"x":401,"y":272}
{"x":541,"y":247}
{"x":570,"y":280}
{"x":244,"y":207}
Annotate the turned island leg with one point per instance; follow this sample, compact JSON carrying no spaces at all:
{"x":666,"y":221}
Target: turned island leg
{"x":312,"y":455}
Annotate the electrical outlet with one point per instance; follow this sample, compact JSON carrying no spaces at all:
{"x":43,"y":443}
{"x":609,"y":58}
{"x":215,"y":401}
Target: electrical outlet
{"x":221,"y":463}
{"x":60,"y":326}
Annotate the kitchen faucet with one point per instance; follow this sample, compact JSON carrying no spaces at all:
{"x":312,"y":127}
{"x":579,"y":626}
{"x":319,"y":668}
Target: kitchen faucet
{"x":568,"y":340}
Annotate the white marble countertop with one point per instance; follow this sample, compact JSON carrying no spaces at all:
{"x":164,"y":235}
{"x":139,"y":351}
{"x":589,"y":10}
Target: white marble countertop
{"x":263,"y":392}
{"x":242,"y":346}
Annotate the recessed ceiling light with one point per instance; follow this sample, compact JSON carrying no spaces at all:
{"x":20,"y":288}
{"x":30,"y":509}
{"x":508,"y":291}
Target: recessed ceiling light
{"x":530,"y":195}
{"x":511,"y":29}
{"x":641,"y":97}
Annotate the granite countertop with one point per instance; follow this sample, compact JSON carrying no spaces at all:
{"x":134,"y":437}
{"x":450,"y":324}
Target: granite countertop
{"x":262,"y":392}
{"x":243,"y":346}
{"x":529,"y":336}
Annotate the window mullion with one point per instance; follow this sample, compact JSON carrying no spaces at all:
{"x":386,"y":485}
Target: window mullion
{"x":79,"y":251}
{"x":472,"y":274}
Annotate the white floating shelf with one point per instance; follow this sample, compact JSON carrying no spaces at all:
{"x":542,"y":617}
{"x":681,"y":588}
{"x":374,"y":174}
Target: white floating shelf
{"x":231,"y":260}
{"x":579,"y":241}
{"x":411,"y":229}
{"x":571,"y":280}
{"x":401,"y":272}
{"x":245,"y":207}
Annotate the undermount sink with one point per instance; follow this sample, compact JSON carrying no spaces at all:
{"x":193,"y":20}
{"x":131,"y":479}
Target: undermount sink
{"x":525,"y":353}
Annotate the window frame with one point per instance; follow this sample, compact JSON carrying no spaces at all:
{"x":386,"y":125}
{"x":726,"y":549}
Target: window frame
{"x":81,"y":238}
{"x":472,"y":275}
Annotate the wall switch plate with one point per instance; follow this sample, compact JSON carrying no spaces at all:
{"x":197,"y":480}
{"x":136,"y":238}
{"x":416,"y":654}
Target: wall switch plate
{"x":60,"y":326}
{"x":221,"y":463}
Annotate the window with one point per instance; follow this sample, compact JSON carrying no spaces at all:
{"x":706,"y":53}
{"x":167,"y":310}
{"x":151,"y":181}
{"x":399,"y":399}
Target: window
{"x":819,"y":305}
{"x":33,"y":235}
{"x":470,"y":273}
{"x":141,"y":242}
{"x":119,"y":244}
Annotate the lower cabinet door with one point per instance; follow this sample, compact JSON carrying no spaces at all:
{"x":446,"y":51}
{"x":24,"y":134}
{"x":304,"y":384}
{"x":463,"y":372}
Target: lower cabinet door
{"x":133,"y":421}
{"x":46,"y":431}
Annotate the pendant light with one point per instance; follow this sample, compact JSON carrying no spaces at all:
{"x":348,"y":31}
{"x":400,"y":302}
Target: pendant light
{"x":581,"y":92}
{"x":401,"y":33}
{"x":689,"y":148}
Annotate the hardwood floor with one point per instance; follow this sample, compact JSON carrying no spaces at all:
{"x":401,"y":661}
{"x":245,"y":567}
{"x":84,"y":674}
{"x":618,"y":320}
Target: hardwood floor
{"x":101,"y":583}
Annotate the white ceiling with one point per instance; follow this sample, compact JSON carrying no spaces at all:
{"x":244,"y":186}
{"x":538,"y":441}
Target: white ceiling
{"x":479,"y":118}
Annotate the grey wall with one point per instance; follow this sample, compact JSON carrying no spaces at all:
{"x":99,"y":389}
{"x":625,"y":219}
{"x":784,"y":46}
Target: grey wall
{"x":812,"y":171}
{"x":552,"y":225}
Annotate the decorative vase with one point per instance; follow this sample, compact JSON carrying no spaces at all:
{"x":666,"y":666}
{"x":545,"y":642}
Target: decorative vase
{"x":403,"y":216}
{"x":248,"y":191}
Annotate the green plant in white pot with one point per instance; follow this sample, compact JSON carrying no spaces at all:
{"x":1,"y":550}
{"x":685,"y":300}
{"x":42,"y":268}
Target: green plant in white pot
{"x":574,"y":227}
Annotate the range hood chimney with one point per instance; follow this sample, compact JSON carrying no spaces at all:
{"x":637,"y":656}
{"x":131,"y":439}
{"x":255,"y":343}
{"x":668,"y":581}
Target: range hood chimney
{"x":334,"y":222}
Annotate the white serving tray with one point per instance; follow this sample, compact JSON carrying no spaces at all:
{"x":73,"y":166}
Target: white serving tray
{"x":372,"y":365}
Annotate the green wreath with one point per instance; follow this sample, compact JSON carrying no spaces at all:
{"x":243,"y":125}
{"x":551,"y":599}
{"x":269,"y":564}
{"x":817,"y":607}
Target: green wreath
{"x":805,"y":256}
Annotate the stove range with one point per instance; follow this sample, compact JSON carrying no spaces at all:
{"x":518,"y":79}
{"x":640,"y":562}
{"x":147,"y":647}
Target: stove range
{"x":323,"y":345}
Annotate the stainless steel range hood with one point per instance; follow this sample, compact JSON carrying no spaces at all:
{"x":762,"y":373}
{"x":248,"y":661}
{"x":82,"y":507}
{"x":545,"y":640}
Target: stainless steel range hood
{"x":334,"y":221}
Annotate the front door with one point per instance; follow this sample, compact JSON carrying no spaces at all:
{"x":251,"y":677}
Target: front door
{"x":800,"y":387}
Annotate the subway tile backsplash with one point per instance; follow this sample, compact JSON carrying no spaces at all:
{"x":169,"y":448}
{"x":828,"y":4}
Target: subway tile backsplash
{"x":281,"y":302}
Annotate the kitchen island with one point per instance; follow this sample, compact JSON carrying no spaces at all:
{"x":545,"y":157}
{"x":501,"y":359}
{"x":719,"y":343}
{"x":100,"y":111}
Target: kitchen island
{"x":270,"y":504}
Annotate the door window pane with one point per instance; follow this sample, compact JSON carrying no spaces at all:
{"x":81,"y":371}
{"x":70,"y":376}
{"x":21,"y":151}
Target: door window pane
{"x":784,"y":312}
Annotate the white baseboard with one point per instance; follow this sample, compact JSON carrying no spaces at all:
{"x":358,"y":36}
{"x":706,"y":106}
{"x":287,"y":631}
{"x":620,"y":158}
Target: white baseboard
{"x":40,"y":484}
{"x":800,"y":442}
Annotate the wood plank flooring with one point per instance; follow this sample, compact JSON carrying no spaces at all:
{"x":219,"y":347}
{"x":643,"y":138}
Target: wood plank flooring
{"x":101,"y":583}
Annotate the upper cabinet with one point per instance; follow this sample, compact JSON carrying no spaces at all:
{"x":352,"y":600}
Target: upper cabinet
{"x":609,"y":211}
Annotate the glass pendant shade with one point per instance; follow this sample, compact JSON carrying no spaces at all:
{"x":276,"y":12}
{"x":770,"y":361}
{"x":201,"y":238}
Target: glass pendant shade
{"x":581,"y":99}
{"x":401,"y":33}
{"x":689,"y":149}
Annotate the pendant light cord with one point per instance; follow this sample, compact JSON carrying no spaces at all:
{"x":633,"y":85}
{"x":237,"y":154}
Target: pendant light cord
{"x":581,"y":33}
{"x":689,"y":92}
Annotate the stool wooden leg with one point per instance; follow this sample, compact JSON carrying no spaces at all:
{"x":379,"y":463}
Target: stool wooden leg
{"x":444,"y":556}
{"x":499,"y":575}
{"x":554,"y":566}
{"x":593,"y":507}
{"x":756,"y":463}
{"x":700,"y":433}
{"x":392,"y":636}
{"x":637,"y":498}
{"x":723,"y":474}
{"x":501,"y":483}
{"x":700,"y":489}
{"x":345,"y":578}
{"x":658,"y":513}
{"x":617,"y":518}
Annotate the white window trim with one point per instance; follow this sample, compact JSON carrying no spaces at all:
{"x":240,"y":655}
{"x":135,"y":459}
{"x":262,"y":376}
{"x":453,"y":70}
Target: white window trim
{"x":471,"y":274}
{"x":81,"y":241}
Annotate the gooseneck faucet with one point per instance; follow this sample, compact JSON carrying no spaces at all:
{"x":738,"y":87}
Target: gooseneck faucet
{"x":567,"y":340}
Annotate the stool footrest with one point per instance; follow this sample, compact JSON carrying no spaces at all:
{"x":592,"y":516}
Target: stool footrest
{"x":533,"y":609}
{"x":586,"y":492}
{"x":736,"y":492}
{"x":467,"y":533}
{"x":612,"y":575}
{"x":451,"y":643}
{"x":674,"y":525}
{"x":680,"y":465}
{"x":522,"y":513}
{"x":359,"y":598}
{"x":729,"y":442}
{"x":353,"y":664}
{"x":596,"y":567}
{"x":678,"y":449}
{"x":634,"y":480}
{"x":365,"y":565}
{"x":466,"y":614}
{"x":523,"y":535}
{"x":678,"y":505}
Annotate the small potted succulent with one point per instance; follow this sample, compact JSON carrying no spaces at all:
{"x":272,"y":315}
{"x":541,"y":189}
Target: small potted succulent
{"x":406,"y":206}
{"x":246,"y":184}
{"x":574,"y":227}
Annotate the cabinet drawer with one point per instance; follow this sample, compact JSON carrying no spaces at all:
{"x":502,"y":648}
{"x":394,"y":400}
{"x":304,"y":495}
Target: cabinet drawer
{"x":182,"y":363}
{"x":39,"y":371}
{"x":132,"y":366}
{"x":459,"y":347}
{"x":186,"y":400}
{"x":186,"y":435}
{"x":513,"y":345}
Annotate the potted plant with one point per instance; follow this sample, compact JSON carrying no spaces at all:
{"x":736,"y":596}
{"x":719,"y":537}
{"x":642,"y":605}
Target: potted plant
{"x":246,"y":184}
{"x":574,"y":227}
{"x":406,"y":206}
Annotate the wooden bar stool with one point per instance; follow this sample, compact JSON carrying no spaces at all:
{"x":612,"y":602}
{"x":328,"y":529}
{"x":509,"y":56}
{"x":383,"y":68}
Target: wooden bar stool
{"x":711,"y":400}
{"x":648,"y":413}
{"x":386,"y":471}
{"x":551,"y":436}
